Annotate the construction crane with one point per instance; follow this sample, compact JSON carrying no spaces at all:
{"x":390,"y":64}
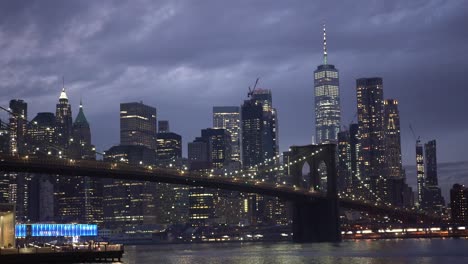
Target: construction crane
{"x":251,"y":91}
{"x":417,"y":139}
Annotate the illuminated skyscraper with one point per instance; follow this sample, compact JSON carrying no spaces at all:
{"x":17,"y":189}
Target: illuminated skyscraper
{"x":459,"y":204}
{"x":344,"y":162}
{"x":131,"y":204}
{"x":420,"y":170}
{"x":327,"y":99}
{"x":432,"y":199}
{"x":169,"y":146}
{"x":252,"y":126}
{"x":219,"y":146}
{"x":270,"y":137}
{"x":138,"y":125}
{"x":431,"y":163}
{"x":82,"y":148}
{"x":42,"y":135}
{"x":80,"y":142}
{"x":259,"y":128}
{"x":18,"y":122}
{"x":228,"y":117}
{"x":369,"y":110}
{"x":392,"y":142}
{"x":63,"y":120}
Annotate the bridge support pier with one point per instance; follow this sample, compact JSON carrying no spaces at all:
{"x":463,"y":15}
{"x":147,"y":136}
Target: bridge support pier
{"x":316,"y":221}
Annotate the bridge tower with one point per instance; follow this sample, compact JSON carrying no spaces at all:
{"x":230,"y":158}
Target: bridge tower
{"x":316,"y":221}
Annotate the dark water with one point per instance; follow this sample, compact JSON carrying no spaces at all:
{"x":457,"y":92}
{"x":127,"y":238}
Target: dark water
{"x":446,"y":251}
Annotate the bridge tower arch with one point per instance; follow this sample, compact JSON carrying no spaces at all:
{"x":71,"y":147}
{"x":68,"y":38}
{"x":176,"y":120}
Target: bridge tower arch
{"x":315,"y":221}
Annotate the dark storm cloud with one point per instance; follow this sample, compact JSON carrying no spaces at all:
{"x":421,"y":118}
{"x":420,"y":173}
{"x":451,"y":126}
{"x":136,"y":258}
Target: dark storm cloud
{"x":186,"y":56}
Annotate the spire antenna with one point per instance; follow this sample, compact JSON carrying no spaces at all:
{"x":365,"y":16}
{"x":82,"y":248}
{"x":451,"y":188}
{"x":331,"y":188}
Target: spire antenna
{"x":324,"y":45}
{"x":63,"y":81}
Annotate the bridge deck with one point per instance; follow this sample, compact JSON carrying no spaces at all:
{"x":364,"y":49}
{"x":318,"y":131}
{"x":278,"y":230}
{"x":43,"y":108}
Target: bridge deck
{"x":121,"y":171}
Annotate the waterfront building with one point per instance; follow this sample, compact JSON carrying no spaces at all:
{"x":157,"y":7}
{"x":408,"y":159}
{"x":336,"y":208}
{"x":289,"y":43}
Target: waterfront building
{"x":369,"y":110}
{"x":228,"y":117}
{"x":129,"y":204}
{"x":327,"y":99}
{"x":459,"y":204}
{"x":82,"y":148}
{"x":201,"y":200}
{"x":7,"y":225}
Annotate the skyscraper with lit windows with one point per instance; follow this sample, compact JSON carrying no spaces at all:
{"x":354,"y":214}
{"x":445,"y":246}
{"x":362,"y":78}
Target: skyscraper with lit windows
{"x":63,"y":117}
{"x":138,"y":125}
{"x":228,"y":117}
{"x":327,"y":99}
{"x":371,"y":132}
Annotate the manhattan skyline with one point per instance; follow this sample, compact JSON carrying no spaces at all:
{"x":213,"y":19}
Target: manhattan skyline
{"x":408,"y":45}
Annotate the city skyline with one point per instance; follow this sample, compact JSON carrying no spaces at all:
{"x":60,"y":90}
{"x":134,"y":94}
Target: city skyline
{"x":197,"y":77}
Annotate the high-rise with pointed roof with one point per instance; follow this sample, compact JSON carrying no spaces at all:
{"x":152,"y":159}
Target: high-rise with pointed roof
{"x":327,"y":99}
{"x":63,"y":117}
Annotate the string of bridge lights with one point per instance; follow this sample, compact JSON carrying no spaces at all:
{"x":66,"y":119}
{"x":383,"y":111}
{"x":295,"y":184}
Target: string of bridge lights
{"x":252,"y":174}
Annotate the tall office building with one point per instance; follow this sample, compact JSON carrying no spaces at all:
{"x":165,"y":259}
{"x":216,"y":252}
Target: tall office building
{"x":371,"y":132}
{"x":420,"y":170}
{"x":344,"y":162}
{"x":392,"y":141}
{"x":432,"y":199}
{"x":355,"y":145}
{"x":260,"y":144}
{"x":252,"y":127}
{"x":80,"y":142}
{"x":259,"y":129}
{"x":201,"y":203}
{"x":18,"y":122}
{"x":63,"y":120}
{"x":327,"y":99}
{"x":42,"y":135}
{"x":270,"y":143}
{"x":219,"y":146}
{"x":131,"y":204}
{"x":228,"y":117}
{"x":138,"y":125}
{"x":168,"y":146}
{"x":82,"y":148}
{"x":4,"y":138}
{"x":430,"y":149}
{"x":459,"y":204}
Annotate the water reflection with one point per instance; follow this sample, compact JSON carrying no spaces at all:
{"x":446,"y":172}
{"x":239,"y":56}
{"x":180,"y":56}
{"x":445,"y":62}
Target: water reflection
{"x":423,"y":251}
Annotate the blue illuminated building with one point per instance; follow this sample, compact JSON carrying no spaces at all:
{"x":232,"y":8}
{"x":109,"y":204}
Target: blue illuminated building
{"x":55,"y":230}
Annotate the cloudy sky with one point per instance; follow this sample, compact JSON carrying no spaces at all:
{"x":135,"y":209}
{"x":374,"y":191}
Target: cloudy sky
{"x":184,"y":57}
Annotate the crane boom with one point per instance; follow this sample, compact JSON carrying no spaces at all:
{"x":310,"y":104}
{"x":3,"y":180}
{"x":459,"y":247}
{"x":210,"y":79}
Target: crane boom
{"x":251,"y":91}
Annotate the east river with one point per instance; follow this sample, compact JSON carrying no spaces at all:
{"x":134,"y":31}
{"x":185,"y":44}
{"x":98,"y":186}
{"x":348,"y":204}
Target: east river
{"x":446,"y":251}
